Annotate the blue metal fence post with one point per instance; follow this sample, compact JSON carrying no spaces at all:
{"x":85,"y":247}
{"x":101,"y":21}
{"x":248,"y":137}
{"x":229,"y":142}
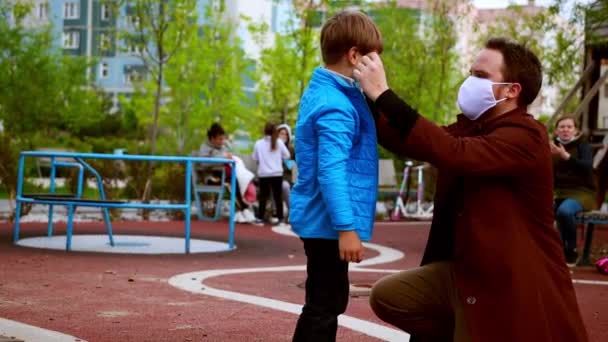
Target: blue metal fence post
{"x":19,"y":193}
{"x":232,"y":200}
{"x":52,"y":190}
{"x":188,"y":203}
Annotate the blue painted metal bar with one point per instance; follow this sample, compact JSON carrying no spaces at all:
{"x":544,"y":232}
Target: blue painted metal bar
{"x":19,"y":192}
{"x":188,"y":204}
{"x":140,"y":157}
{"x":102,"y":195}
{"x":232,"y":200}
{"x":105,"y":205}
{"x":49,"y":228}
{"x":54,"y":166}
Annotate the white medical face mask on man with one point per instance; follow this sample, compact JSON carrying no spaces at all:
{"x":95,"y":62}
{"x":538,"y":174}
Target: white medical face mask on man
{"x":476,"y":96}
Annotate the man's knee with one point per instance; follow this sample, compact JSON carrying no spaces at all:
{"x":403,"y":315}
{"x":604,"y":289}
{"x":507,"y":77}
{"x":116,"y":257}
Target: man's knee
{"x":382,"y":298}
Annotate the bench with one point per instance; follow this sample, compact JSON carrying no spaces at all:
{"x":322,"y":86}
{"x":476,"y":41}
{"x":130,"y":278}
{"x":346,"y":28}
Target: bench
{"x":589,"y":219}
{"x":73,"y":159}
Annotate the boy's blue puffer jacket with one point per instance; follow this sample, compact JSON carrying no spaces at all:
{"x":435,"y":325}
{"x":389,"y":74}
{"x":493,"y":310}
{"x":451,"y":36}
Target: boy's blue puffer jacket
{"x":337,"y":160}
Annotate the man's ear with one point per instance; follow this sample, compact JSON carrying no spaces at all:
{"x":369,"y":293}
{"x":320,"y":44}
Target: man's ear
{"x":514,"y":90}
{"x":352,"y":56}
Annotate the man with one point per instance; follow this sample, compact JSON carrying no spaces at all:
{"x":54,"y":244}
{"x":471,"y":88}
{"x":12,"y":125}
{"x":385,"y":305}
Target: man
{"x":573,"y":181}
{"x":493,"y":269}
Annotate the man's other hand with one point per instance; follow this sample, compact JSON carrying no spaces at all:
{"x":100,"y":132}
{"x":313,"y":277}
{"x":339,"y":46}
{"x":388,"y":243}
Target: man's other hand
{"x":351,"y":248}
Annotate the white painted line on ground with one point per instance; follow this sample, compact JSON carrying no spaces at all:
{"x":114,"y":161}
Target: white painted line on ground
{"x":385,"y":255}
{"x":30,"y":333}
{"x":194,"y":282}
{"x":589,"y":282}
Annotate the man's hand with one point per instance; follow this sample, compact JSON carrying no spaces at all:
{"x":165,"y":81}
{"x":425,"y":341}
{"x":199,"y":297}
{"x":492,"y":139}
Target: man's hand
{"x":351,"y":249}
{"x":370,"y":74}
{"x":559,"y":151}
{"x":228,"y":155}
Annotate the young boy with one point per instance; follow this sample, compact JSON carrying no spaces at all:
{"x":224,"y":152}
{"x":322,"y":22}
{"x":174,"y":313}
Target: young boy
{"x":333,"y":202}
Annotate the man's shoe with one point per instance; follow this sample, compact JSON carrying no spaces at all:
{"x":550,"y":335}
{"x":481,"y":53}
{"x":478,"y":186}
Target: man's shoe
{"x":258,"y":222}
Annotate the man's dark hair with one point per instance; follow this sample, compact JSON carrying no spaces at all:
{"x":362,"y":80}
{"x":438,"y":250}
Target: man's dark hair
{"x":215,"y":130}
{"x":520,"y":66}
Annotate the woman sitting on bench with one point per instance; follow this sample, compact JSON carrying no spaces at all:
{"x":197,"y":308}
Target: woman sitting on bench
{"x":573,"y":181}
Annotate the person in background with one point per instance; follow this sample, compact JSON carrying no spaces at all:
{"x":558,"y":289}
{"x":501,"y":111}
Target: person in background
{"x":269,"y":152}
{"x":288,"y":165}
{"x":574,"y":185}
{"x":217,"y":147}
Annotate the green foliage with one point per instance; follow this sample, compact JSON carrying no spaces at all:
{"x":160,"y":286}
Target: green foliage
{"x":557,"y":42}
{"x":420,"y":56}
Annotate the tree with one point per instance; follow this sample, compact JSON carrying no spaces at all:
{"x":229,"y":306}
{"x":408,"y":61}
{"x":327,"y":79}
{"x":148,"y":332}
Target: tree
{"x":205,"y":81}
{"x":557,"y":42}
{"x":158,"y":29}
{"x":286,"y":63}
{"x":43,"y":92}
{"x":419,"y":55}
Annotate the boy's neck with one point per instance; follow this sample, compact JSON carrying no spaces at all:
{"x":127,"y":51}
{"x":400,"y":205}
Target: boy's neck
{"x":341,"y":69}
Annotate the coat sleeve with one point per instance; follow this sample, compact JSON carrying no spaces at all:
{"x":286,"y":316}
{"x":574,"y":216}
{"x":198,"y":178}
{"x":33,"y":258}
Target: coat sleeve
{"x":506,"y":151}
{"x":335,"y":131}
{"x":584,"y":162}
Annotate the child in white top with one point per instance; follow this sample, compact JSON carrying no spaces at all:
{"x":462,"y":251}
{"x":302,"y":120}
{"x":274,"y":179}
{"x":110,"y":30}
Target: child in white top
{"x":269,"y":152}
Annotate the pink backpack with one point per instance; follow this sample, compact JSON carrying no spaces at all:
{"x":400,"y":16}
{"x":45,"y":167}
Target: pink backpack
{"x":602,"y":265}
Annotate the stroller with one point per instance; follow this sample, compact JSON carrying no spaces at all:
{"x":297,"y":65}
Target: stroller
{"x":404,"y":208}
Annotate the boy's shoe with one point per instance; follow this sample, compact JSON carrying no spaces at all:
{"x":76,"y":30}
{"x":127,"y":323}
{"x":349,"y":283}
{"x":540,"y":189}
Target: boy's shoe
{"x":258,"y":222}
{"x":571,"y":257}
{"x":274,"y":220}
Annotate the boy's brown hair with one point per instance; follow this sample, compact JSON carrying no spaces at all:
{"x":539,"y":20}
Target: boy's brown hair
{"x":349,"y":29}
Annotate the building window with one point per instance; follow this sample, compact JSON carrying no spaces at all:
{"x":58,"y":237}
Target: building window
{"x":133,"y":76}
{"x":135,"y":49}
{"x":104,"y":70}
{"x":105,"y":43}
{"x":71,"y":40}
{"x":133,"y":20}
{"x":71,"y":10}
{"x":105,"y":12}
{"x":42,"y":10}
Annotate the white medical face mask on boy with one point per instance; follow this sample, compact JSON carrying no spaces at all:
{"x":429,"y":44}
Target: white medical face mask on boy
{"x":476,"y":96}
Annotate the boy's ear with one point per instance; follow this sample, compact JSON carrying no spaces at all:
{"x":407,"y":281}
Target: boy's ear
{"x":351,"y":56}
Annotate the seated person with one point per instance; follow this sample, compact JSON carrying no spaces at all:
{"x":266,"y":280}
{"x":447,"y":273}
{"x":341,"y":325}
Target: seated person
{"x":573,"y":181}
{"x":217,"y":147}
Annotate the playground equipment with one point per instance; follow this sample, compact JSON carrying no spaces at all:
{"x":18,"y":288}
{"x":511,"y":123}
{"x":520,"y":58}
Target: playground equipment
{"x":418,"y":210}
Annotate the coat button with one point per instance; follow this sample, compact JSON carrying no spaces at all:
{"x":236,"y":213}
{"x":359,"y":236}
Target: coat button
{"x":471,"y":300}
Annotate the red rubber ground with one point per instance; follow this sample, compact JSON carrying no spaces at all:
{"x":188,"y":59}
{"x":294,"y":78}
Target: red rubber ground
{"x":108,"y":297}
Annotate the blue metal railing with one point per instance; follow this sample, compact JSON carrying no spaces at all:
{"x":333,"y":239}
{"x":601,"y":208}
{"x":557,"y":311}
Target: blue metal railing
{"x":79,"y":162}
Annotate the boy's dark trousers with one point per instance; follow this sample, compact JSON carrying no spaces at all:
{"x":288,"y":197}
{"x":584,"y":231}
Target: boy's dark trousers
{"x":327,"y":289}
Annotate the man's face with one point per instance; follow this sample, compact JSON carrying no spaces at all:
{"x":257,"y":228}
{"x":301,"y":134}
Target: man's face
{"x":218,"y":141}
{"x":566,"y":130}
{"x":489,"y":65}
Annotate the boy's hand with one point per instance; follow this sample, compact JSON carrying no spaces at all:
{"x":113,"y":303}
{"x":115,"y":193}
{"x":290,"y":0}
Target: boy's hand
{"x":351,"y":249}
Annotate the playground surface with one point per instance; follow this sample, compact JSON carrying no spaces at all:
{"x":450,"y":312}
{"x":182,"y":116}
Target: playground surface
{"x":252,"y":293}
